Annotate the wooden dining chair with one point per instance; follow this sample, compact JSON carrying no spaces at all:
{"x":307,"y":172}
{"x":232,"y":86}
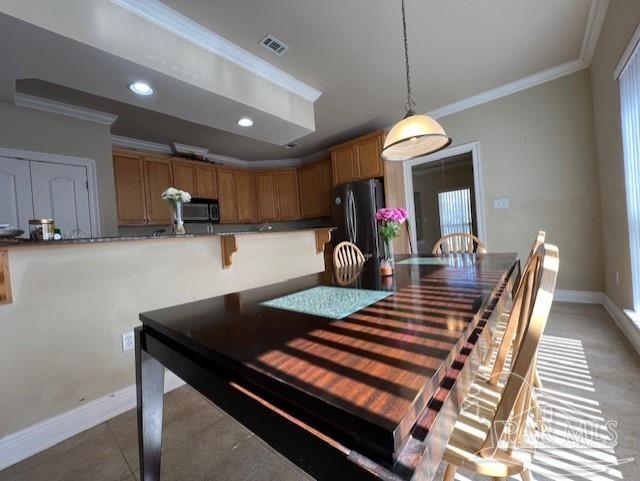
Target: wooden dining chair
{"x":347,"y":254}
{"x":458,"y":243}
{"x":496,"y":334}
{"x":495,"y":413}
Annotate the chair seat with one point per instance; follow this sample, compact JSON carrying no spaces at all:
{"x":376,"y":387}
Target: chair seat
{"x":472,"y":427}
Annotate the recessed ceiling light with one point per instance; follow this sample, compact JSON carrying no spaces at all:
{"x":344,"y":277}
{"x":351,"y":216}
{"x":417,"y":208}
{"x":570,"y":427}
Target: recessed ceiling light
{"x":141,"y":88}
{"x":245,"y":122}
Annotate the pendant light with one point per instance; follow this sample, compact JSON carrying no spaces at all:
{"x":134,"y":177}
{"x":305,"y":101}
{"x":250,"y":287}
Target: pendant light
{"x":415,"y":135}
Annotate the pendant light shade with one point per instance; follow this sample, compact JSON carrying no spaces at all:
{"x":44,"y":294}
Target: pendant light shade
{"x":414,"y":136}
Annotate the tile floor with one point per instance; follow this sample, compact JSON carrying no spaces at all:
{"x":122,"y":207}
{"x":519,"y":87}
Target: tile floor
{"x":585,"y":364}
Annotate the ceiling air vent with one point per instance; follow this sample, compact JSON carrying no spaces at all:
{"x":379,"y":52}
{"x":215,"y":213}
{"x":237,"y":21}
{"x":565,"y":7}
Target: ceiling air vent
{"x":274,"y":45}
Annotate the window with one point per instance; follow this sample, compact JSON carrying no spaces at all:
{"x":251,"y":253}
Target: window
{"x":630,"y":109}
{"x":455,"y":211}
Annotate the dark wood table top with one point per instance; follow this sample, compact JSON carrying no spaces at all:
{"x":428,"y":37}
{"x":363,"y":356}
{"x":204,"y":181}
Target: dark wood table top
{"x":363,"y":379}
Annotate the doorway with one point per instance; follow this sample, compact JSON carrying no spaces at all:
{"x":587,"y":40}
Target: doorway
{"x":444,"y":196}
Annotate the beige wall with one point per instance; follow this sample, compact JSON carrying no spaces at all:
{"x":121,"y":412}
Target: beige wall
{"x":537,"y":149}
{"x":622,"y":19}
{"x":35,"y":130}
{"x":61,"y":337}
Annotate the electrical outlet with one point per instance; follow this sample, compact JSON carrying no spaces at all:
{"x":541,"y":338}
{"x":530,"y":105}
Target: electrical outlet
{"x":128,"y":342}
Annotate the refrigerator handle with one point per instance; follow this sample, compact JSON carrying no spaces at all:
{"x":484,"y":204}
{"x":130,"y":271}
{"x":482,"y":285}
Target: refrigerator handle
{"x":349,"y":218}
{"x":354,"y":219}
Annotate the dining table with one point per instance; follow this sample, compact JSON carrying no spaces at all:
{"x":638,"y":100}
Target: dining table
{"x":347,"y":373}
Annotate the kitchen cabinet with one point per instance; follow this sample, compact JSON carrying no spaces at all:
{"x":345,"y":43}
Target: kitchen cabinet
{"x":245,"y":200}
{"x":227,"y":196}
{"x":157,"y":179}
{"x":326,"y":188}
{"x":206,"y":182}
{"x":129,"y":182}
{"x":344,"y":165}
{"x":369,"y":163}
{"x":287,"y":195}
{"x":358,"y":159}
{"x":315,"y":185}
{"x":184,"y":176}
{"x":266,"y":199}
{"x":310,"y":191}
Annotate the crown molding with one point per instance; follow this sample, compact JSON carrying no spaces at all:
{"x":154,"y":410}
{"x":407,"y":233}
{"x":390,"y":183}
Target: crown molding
{"x":169,"y":19}
{"x":597,"y":15}
{"x":508,"y":89}
{"x":40,"y":103}
{"x":190,"y":149}
{"x":144,"y":145}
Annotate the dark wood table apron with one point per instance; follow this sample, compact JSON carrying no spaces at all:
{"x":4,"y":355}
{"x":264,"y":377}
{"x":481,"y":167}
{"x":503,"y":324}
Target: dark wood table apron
{"x":373,"y":395}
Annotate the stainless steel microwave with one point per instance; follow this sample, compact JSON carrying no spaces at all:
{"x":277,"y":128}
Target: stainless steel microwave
{"x":202,"y":211}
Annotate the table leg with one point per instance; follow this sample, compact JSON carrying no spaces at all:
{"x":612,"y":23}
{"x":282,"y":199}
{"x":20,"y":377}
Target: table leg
{"x":150,"y":394}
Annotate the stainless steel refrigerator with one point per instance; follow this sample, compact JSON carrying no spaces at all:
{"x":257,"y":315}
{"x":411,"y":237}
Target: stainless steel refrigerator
{"x":354,"y":207}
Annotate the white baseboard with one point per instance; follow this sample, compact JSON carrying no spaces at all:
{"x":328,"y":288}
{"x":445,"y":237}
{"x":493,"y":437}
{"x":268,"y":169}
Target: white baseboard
{"x":29,"y":441}
{"x":582,"y":297}
{"x":628,"y":328}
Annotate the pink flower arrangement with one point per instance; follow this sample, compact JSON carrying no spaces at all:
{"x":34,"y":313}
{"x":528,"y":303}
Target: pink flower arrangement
{"x":391,"y":215}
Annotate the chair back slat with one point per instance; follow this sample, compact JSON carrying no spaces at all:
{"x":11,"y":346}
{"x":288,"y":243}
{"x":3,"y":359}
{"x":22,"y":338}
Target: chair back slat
{"x":347,"y":254}
{"x":530,"y":309}
{"x":458,"y":243}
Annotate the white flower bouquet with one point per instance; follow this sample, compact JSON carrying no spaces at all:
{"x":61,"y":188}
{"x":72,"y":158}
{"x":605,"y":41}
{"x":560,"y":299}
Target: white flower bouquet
{"x":176,"y":195}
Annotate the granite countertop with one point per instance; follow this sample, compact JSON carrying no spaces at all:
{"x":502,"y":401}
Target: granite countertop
{"x":6,"y":243}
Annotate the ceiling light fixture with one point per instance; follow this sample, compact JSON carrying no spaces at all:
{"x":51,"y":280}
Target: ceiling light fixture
{"x":415,"y":135}
{"x":245,"y":122}
{"x":141,"y":88}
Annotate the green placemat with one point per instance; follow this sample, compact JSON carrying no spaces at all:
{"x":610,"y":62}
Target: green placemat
{"x":331,"y":302}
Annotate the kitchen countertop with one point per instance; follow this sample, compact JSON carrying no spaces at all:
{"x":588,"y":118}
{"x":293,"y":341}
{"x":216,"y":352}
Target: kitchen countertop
{"x":11,"y":243}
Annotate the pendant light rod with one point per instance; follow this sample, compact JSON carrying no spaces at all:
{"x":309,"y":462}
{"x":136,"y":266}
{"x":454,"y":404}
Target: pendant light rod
{"x":410,"y":106}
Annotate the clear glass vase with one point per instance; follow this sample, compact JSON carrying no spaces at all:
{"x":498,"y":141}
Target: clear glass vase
{"x":387,"y":263}
{"x":177,"y":219}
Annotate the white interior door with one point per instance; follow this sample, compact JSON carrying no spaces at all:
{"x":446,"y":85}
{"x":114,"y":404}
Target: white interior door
{"x":16,"y":203}
{"x":61,"y":192}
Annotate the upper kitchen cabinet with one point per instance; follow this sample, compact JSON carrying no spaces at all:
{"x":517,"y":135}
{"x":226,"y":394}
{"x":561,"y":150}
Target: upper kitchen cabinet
{"x":184,"y":175}
{"x":327,"y":187}
{"x":315,"y":189}
{"x":157,"y":179}
{"x":266,"y":197}
{"x":343,"y":161}
{"x":129,"y":181}
{"x":227,"y":196}
{"x":358,"y":159}
{"x":245,"y":197}
{"x":287,"y":194}
{"x":206,"y":182}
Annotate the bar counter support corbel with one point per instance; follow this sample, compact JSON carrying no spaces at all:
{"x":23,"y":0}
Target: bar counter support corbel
{"x":322,"y":237}
{"x":5,"y":280}
{"x":229,"y":246}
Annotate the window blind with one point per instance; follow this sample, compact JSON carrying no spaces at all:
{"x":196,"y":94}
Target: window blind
{"x":630,"y":109}
{"x":455,"y":211}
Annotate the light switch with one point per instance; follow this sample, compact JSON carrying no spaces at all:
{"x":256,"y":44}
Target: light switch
{"x":501,"y":203}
